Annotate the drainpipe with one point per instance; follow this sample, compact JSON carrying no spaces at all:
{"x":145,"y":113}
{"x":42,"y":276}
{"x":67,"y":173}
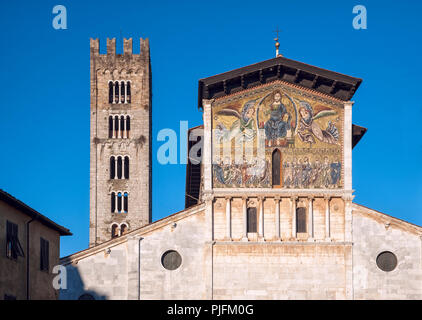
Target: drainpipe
{"x":27,"y":258}
{"x":139,"y":268}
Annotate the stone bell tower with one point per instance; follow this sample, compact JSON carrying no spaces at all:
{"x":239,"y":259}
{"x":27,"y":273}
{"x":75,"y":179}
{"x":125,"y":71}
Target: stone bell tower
{"x":120,"y":140}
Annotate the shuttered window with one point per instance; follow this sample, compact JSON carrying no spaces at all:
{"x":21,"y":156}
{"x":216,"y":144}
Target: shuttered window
{"x":13,"y":246}
{"x":44,"y":255}
{"x":251,"y":215}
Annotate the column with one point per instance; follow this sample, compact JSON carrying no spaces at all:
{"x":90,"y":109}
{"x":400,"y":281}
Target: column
{"x":293,"y":213}
{"x":311,"y":218}
{"x":119,"y":131}
{"x":112,"y":125}
{"x":261,"y":219}
{"x":125,"y":130}
{"x":327,"y":218}
{"x":277,"y":218}
{"x":116,"y":201}
{"x":348,"y":145}
{"x":120,"y":92}
{"x":245,"y":218}
{"x":207,"y":154}
{"x":228,"y":219}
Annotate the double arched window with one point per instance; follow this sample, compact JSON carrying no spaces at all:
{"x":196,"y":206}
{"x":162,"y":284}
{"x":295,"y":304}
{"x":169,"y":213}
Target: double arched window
{"x":119,"y":202}
{"x":119,"y":167}
{"x":119,"y":127}
{"x":118,"y":230}
{"x":119,"y":92}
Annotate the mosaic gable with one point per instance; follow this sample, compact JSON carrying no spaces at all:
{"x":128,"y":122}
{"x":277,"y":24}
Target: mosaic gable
{"x":277,"y":136}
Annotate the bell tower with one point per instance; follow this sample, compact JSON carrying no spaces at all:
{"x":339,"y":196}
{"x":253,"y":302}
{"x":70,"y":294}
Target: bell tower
{"x":120,"y":140}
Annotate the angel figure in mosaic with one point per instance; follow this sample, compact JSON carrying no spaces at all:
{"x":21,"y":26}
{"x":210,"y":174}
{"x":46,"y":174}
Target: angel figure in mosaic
{"x":308,"y":129}
{"x":243,"y":129}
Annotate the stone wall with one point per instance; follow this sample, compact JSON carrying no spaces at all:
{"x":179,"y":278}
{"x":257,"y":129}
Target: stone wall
{"x":374,"y":233}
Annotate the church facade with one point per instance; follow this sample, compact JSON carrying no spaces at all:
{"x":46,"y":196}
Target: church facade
{"x":269,"y":199}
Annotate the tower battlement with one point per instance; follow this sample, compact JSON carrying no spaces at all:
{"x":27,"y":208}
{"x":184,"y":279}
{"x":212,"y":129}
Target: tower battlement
{"x":127,"y":47}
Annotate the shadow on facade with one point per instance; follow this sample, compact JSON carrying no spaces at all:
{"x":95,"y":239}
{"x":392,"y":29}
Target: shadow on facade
{"x":76,"y":288}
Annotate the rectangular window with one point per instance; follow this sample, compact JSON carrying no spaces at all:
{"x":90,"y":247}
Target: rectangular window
{"x":44,"y":254}
{"x":301,"y":220}
{"x":251,"y":215}
{"x":13,"y":246}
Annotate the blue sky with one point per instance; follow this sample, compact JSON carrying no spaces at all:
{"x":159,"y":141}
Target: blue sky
{"x":45,"y":89}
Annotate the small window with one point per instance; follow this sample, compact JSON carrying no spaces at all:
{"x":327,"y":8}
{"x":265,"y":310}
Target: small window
{"x":119,"y":202}
{"x":301,"y":220}
{"x":13,"y":246}
{"x":110,"y":127}
{"x":44,"y":255}
{"x":112,"y":167}
{"x":114,"y":231}
{"x":387,"y":261}
{"x":116,"y":92}
{"x":119,"y":167}
{"x":125,"y":202}
{"x":126,"y":166}
{"x":127,"y":127}
{"x":110,"y":92}
{"x":113,"y":202}
{"x":128,"y":99}
{"x":251,"y":220}
{"x":122,"y":90}
{"x":123,"y":229}
{"x":171,"y":260}
{"x":116,"y":126}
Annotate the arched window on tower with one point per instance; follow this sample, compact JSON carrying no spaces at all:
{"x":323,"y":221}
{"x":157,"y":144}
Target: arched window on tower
{"x":301,"y":220}
{"x":116,"y":92}
{"x":122,"y":126}
{"x":110,"y":92}
{"x":110,"y":126}
{"x":119,"y":202}
{"x":125,"y":202}
{"x":114,"y":231}
{"x":112,"y":167}
{"x":119,"y":167}
{"x":276,"y":168}
{"x":126,"y":173}
{"x":113,"y":202}
{"x":128,"y":98}
{"x":123,"y":92}
{"x":251,"y":220}
{"x":123,"y":229}
{"x":116,"y":126}
{"x":127,"y":127}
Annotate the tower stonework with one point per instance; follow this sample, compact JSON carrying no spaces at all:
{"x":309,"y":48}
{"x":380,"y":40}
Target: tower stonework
{"x":120,"y":140}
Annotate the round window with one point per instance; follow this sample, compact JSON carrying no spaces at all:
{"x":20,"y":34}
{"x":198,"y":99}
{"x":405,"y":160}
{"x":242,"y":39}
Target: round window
{"x":387,"y":261}
{"x":171,"y":260}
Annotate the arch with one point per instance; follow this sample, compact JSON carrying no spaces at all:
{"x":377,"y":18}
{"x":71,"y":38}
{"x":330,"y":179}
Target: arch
{"x":125,"y":202}
{"x":110,"y":126}
{"x":116,"y":92}
{"x":301,"y":220}
{"x":114,"y":231}
{"x":126,"y":166}
{"x":251,"y":219}
{"x":119,"y":202}
{"x":122,"y":126}
{"x":127,"y":126}
{"x":116,"y":126}
{"x":86,"y":296}
{"x":128,"y":98}
{"x":113,"y":202}
{"x":110,"y":92}
{"x":112,"y":167}
{"x":122,"y":92}
{"x":119,"y":167}
{"x":123,"y":229}
{"x":276,"y":168}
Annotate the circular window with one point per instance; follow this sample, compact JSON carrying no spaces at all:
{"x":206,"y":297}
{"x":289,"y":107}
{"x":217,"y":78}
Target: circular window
{"x":387,"y":261}
{"x":171,"y":260}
